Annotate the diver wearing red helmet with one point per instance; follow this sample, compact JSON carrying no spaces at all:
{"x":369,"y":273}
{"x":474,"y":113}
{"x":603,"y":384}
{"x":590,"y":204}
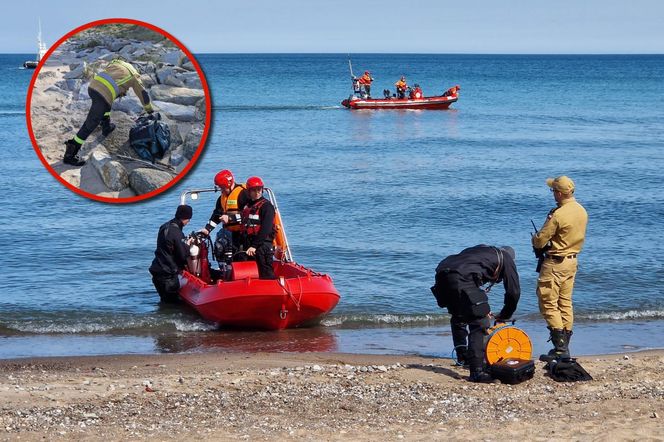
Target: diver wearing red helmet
{"x":227,"y":209}
{"x":258,"y":228}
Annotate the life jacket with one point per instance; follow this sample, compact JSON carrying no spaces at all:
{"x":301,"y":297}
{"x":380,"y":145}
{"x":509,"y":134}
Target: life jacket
{"x":229,"y":203}
{"x":401,"y":85}
{"x":251,"y":221}
{"x":416,"y":93}
{"x":365,"y":79}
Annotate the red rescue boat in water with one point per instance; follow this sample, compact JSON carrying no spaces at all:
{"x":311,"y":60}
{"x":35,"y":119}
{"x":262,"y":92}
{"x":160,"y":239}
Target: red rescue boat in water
{"x":414,"y":100}
{"x":234,"y":296}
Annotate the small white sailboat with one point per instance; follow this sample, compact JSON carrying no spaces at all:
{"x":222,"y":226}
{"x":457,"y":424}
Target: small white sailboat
{"x":41,"y":51}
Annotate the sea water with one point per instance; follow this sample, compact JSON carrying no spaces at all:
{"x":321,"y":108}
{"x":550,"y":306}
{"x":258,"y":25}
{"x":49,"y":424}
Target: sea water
{"x":374,"y":198}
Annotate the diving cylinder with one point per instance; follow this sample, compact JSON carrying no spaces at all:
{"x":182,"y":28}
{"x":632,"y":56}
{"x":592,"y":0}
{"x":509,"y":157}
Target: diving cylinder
{"x":194,"y":262}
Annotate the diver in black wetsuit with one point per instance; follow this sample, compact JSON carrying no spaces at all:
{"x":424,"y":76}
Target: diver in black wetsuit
{"x":459,"y":281}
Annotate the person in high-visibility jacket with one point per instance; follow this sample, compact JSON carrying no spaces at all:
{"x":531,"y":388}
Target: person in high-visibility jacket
{"x":228,"y":207}
{"x":401,"y":87}
{"x":105,"y":87}
{"x":258,"y":228}
{"x":365,"y":82}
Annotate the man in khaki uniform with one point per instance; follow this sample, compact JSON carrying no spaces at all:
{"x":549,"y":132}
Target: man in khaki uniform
{"x":109,"y":84}
{"x":564,"y":231}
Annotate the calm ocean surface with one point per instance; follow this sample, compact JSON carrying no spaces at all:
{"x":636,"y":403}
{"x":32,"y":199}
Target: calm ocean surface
{"x":374,"y":198}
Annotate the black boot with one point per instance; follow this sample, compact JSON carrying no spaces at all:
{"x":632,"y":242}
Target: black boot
{"x":461,"y":352}
{"x":559,"y":351}
{"x":480,"y":376}
{"x":106,"y":126}
{"x":71,"y":154}
{"x":568,"y":337}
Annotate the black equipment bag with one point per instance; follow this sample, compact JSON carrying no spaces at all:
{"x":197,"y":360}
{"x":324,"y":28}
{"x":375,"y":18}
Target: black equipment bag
{"x":150,"y":137}
{"x":513,"y":371}
{"x":567,"y":370}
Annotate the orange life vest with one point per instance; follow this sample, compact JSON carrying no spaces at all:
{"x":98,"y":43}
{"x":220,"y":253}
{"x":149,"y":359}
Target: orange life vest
{"x":229,"y":203}
{"x":365,"y":79}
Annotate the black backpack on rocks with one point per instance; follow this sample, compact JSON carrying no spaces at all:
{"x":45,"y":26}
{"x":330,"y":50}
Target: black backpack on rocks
{"x":150,"y":137}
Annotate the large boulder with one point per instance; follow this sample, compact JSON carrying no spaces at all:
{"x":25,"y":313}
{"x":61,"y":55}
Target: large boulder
{"x":177,"y":111}
{"x":191,"y":79}
{"x":118,"y":44}
{"x":129,"y":104}
{"x":144,"y":180}
{"x":168,"y":71}
{"x":148,"y":80}
{"x":178,"y":95}
{"x":175,"y":57}
{"x":112,"y":173}
{"x":191,"y":142}
{"x":77,"y":72}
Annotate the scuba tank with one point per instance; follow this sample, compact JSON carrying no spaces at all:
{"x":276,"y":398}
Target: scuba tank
{"x":197,"y":262}
{"x":193,"y":261}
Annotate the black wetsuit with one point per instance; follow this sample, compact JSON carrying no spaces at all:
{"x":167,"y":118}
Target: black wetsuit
{"x":170,"y":258}
{"x":458,"y":287}
{"x":263,"y":237}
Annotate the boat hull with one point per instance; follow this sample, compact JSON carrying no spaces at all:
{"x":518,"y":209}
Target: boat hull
{"x":437,"y":102}
{"x":299,"y":297}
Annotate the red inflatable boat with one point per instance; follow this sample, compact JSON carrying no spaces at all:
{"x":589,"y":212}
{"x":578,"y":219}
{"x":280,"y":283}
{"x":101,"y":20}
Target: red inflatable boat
{"x":234,"y":296}
{"x":438,"y":102}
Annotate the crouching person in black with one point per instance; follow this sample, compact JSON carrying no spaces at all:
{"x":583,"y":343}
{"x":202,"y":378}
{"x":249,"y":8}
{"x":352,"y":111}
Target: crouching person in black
{"x":459,"y":281}
{"x":170,"y":256}
{"x":258,"y":228}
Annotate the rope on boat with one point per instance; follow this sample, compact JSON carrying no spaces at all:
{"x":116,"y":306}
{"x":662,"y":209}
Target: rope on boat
{"x":298,"y":301}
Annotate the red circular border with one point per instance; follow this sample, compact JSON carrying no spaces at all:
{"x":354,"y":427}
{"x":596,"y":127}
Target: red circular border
{"x":206,"y":129}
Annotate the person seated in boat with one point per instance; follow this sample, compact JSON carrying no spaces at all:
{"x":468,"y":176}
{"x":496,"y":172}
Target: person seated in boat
{"x":258,"y":228}
{"x":416,"y":91}
{"x":365,"y":83}
{"x":459,"y":287}
{"x":454,"y":90}
{"x":401,"y":87}
{"x":227,"y":209}
{"x":170,"y":255}
{"x":105,"y":87}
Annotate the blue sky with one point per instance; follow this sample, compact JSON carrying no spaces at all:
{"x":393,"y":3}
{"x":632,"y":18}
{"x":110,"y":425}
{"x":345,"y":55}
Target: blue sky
{"x":418,"y":26}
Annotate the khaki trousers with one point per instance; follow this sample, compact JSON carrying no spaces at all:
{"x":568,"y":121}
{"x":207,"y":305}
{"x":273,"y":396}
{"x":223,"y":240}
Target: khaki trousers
{"x":554,"y":292}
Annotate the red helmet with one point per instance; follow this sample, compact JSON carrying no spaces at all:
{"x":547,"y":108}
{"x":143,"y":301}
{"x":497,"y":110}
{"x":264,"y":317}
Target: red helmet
{"x":254,"y":181}
{"x":367,"y":73}
{"x":224,"y":179}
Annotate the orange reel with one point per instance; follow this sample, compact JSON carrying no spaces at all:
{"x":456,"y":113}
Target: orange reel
{"x":507,"y":342}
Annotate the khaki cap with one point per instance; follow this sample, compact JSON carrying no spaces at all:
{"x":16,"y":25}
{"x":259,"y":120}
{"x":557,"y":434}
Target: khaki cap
{"x":562,"y":184}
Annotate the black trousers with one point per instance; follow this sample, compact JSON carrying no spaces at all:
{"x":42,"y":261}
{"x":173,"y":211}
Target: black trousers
{"x":264,"y":260}
{"x":96,"y":115}
{"x":167,"y":286}
{"x":469,"y":307}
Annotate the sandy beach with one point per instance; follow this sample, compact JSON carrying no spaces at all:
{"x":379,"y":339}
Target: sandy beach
{"x":321,"y":396}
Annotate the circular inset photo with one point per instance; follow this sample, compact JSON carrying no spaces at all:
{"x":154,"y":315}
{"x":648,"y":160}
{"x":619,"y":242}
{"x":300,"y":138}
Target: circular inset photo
{"x":118,"y":110}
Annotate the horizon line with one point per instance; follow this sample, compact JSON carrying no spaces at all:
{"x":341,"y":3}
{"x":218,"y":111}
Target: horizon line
{"x":400,"y":53}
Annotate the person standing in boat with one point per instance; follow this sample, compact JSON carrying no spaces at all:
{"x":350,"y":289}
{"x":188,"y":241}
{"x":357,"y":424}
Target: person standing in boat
{"x":227,"y":209}
{"x":459,"y":281}
{"x":171,"y":254}
{"x":454,"y":90}
{"x":365,"y":83}
{"x":401,"y":86}
{"x":108,"y":85}
{"x":564,"y":231}
{"x":258,"y":228}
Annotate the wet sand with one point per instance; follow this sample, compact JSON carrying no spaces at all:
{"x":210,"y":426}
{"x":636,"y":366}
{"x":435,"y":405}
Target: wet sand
{"x":321,"y":396}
